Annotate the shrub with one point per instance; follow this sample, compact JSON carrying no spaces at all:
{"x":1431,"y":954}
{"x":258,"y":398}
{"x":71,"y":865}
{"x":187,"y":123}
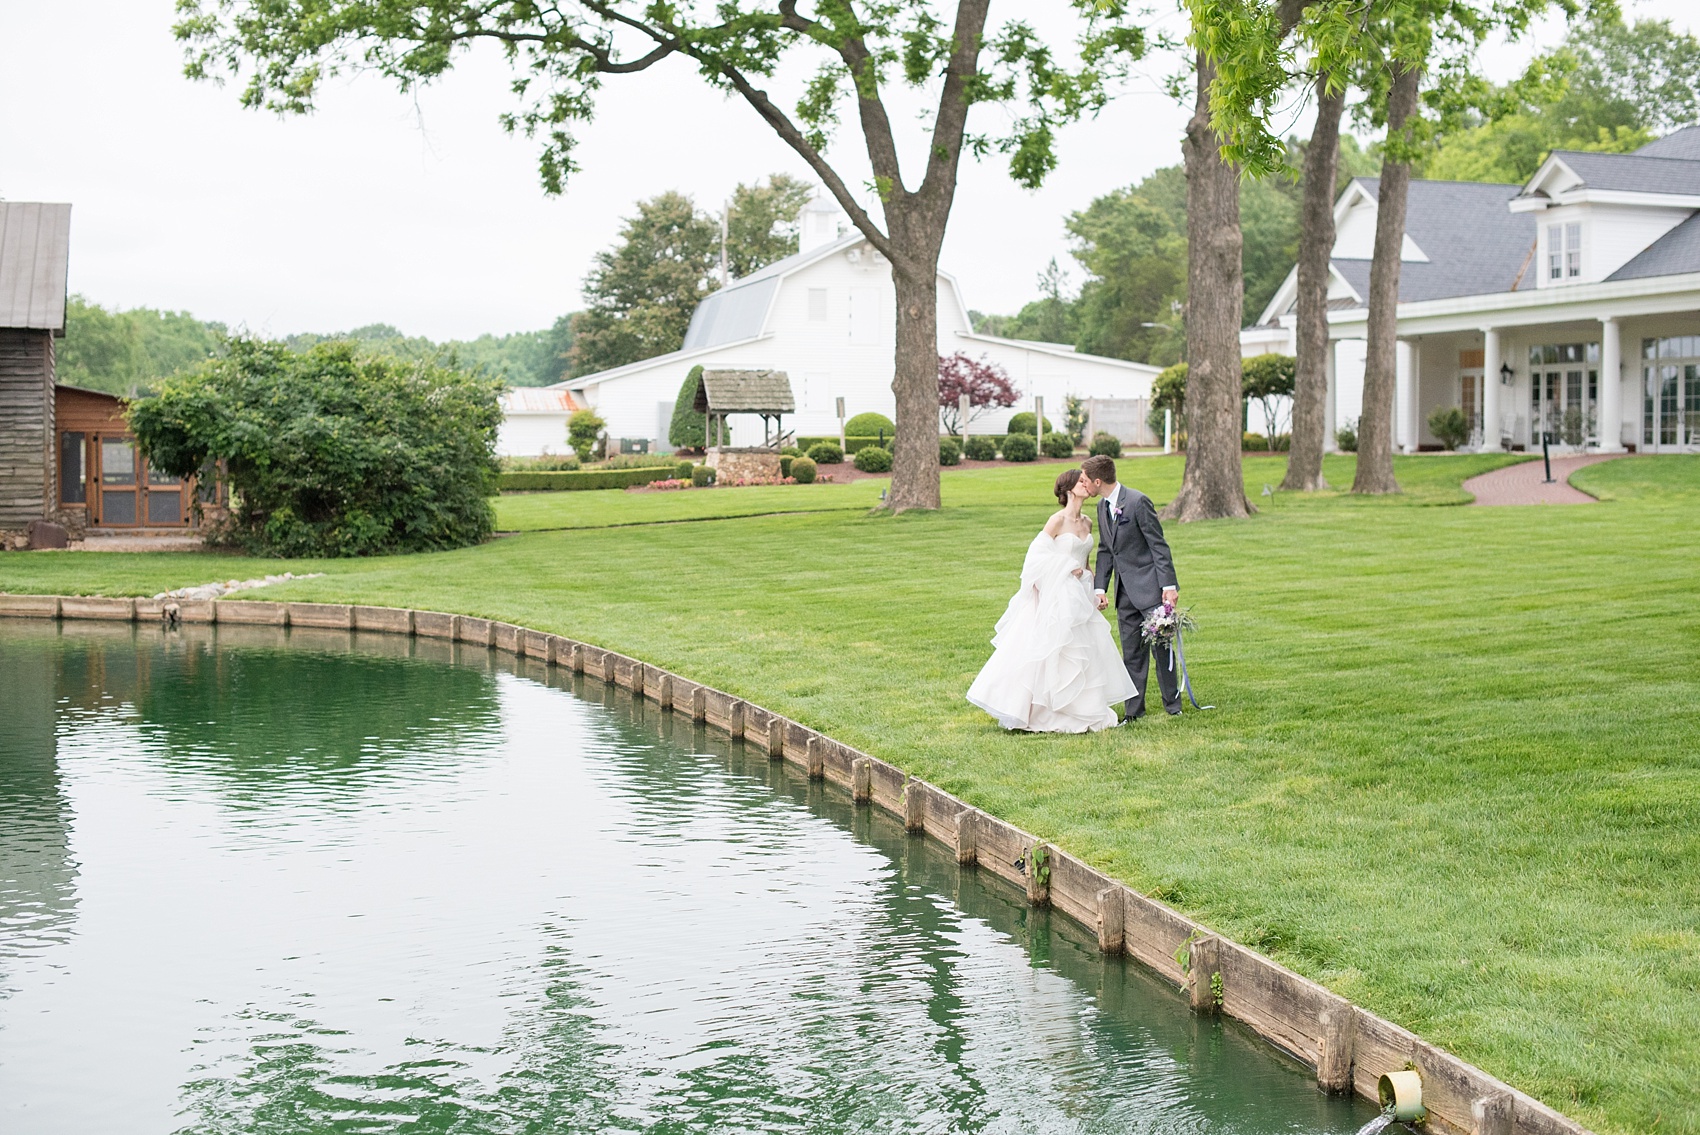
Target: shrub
{"x":1168,"y":392}
{"x":1020,"y":447}
{"x":1058,"y":445}
{"x":702,"y":476}
{"x":826,"y":453}
{"x":583,"y":479}
{"x":950,"y":451}
{"x":688,"y":430}
{"x":683,"y":470}
{"x":582,"y":430}
{"x":1105,"y":445}
{"x":548,"y":463}
{"x":638,"y":461}
{"x":851,"y":442}
{"x":1346,"y":437}
{"x":1254,"y":442}
{"x":980,"y":448}
{"x":785,"y":460}
{"x":1026,"y":423}
{"x":985,"y":383}
{"x":791,"y":451}
{"x":1452,"y":428}
{"x":1268,"y":378}
{"x":873,"y":459}
{"x":870,"y":425}
{"x":802,"y":470}
{"x":332,"y":453}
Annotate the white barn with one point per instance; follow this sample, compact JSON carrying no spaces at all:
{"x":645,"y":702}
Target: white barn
{"x":534,"y":422}
{"x":827,"y":317}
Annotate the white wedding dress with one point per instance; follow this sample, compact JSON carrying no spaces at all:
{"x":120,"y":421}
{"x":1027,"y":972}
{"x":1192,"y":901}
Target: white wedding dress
{"x":1054,"y":667}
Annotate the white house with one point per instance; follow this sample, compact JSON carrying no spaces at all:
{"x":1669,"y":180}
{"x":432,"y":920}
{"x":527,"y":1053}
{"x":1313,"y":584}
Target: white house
{"x":827,"y":317}
{"x":1567,"y":304}
{"x":534,"y":422}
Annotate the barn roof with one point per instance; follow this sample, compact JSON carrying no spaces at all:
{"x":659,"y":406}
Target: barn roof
{"x":35,"y":247}
{"x":745,"y":392}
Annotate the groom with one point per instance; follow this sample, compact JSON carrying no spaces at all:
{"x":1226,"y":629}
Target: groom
{"x":1131,"y":544}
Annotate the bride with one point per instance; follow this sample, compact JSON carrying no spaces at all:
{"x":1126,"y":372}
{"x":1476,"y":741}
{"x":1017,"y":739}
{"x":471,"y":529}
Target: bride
{"x":1054,"y":667}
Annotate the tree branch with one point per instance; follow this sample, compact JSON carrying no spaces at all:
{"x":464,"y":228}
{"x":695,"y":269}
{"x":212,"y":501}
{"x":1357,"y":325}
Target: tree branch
{"x":876,"y":125}
{"x":951,"y":120}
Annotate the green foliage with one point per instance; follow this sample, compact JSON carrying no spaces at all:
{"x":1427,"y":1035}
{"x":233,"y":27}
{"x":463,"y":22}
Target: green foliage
{"x":129,"y":352}
{"x":1075,"y":419}
{"x":979,"y":447}
{"x":870,"y":424}
{"x":582,"y":431}
{"x":1105,"y":445}
{"x":826,"y":453}
{"x":1026,"y":423}
{"x":950,"y":451}
{"x":585,"y":479}
{"x":1058,"y":445}
{"x":791,"y":451}
{"x":1020,"y":447}
{"x":549,"y":463}
{"x":1268,"y":379}
{"x":785,"y":462}
{"x":524,"y":358}
{"x":1346,"y":437}
{"x":682,"y":471}
{"x":1253,"y":442}
{"x":330,"y":453}
{"x":762,"y":224}
{"x":702,"y":476}
{"x":1452,"y":428}
{"x":688,"y":429}
{"x":851,"y":443}
{"x":803,"y":470}
{"x":1168,"y":392}
{"x":639,"y":461}
{"x":873,"y":459}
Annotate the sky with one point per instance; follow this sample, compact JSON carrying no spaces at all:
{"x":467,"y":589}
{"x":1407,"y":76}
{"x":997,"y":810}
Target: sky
{"x":419,"y":211}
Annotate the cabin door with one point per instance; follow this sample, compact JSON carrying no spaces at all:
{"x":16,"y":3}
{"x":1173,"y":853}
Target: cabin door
{"x":129,"y":494}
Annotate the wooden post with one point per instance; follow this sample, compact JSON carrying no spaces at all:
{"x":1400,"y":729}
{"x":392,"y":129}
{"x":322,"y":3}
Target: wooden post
{"x":1112,"y":920}
{"x":1205,"y":966}
{"x":862,"y":780}
{"x":699,"y":704}
{"x":775,"y":738}
{"x":664,"y":691}
{"x":914,"y":807}
{"x":967,"y":838}
{"x":1493,"y":1114}
{"x":1339,"y":1048}
{"x":815,"y":758}
{"x":735,"y":726}
{"x":1038,"y":873}
{"x":575,"y":658}
{"x":639,"y":677}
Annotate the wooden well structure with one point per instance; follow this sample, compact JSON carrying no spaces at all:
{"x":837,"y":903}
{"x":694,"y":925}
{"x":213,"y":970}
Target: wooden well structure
{"x":764,"y":393}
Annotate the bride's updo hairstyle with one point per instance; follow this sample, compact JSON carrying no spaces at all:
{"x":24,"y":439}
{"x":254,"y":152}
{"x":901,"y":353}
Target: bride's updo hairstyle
{"x":1066,"y":481}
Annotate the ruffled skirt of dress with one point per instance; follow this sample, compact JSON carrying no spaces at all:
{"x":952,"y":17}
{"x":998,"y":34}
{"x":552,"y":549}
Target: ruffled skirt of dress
{"x":1054,"y":666}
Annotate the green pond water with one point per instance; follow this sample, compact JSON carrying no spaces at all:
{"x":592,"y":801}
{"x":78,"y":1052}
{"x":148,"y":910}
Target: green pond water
{"x":268,"y":881}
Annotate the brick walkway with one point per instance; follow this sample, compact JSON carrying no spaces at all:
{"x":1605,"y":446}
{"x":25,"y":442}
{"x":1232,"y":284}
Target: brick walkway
{"x":1524,"y":483}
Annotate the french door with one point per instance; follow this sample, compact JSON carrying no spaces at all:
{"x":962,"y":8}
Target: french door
{"x":1670,"y":407}
{"x":128,"y":493}
{"x":1562,"y":403}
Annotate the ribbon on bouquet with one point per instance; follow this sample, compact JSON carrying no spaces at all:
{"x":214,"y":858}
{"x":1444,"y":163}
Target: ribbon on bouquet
{"x":1186,"y":683}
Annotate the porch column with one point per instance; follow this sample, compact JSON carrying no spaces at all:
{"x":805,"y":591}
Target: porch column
{"x":1406,"y":402}
{"x":1491,"y":362}
{"x":1609,"y":427}
{"x":1329,"y":419}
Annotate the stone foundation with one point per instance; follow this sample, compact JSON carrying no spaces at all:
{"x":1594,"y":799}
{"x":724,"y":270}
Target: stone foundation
{"x":744,"y":464}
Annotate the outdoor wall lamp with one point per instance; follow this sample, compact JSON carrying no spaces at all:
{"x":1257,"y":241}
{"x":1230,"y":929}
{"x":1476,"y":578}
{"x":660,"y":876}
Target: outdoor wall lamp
{"x":1506,"y":374}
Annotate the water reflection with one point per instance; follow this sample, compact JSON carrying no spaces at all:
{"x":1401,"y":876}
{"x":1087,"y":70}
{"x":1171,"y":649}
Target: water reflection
{"x":536,"y":904}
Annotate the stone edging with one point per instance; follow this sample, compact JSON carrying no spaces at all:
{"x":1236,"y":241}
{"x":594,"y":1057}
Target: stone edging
{"x":1349,"y":1047}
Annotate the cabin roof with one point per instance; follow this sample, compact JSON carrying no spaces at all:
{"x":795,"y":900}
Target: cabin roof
{"x":35,"y":248}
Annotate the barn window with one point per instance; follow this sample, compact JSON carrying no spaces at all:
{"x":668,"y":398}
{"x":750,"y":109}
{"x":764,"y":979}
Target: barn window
{"x":817,"y":305}
{"x":73,"y":469}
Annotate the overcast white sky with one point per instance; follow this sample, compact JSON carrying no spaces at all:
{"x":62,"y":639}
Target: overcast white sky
{"x":423,"y":213}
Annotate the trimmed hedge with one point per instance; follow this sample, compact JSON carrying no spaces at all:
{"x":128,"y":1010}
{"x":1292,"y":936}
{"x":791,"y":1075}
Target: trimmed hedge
{"x":1027,"y":422}
{"x":825,"y":453}
{"x":869,"y":424}
{"x":803,"y":470}
{"x":1105,"y":445}
{"x":584,"y":479}
{"x":980,"y":448}
{"x":1058,"y":445}
{"x":703,"y":476}
{"x":1020,"y":447}
{"x":873,"y":459}
{"x":851,"y":444}
{"x":950,"y":451}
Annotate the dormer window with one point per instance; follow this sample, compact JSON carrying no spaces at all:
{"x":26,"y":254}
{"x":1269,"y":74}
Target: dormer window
{"x":1564,"y":251}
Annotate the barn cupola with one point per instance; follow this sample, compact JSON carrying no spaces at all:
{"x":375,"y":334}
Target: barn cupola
{"x":818,"y":225}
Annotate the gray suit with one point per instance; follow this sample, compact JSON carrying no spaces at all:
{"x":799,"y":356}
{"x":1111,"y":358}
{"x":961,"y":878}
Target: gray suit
{"x":1134,"y":549}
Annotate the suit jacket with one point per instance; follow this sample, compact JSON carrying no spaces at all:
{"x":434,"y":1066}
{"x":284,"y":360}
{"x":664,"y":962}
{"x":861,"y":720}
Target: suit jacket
{"x":1134,"y":549}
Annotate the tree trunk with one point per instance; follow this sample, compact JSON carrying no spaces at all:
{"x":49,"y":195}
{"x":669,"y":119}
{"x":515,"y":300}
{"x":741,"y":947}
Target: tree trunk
{"x":1316,"y":249}
{"x":1213,"y":485}
{"x":1375,"y":425}
{"x":915,"y":379}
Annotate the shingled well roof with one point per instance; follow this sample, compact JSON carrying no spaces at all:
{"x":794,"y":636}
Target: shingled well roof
{"x":745,"y":392}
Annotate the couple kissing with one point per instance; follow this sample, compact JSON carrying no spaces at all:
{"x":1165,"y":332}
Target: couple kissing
{"x":1054,"y":667}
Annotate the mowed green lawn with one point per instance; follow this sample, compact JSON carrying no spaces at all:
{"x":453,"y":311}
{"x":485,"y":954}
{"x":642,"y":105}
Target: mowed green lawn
{"x":1454,"y":775}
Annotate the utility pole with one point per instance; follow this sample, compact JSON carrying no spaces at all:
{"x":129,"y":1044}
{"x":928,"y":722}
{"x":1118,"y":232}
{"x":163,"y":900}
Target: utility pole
{"x":725,"y":219}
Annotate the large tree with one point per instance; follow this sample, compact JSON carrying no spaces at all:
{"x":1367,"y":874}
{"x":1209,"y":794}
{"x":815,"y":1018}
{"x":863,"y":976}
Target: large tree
{"x":564,"y":52}
{"x":761,"y":222}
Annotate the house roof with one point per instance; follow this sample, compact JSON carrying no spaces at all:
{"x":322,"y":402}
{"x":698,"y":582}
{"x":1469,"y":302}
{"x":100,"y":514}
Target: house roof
{"x":1684,"y":143}
{"x":745,"y":392}
{"x":1474,"y":244}
{"x":538,"y":400}
{"x":737,"y":311}
{"x":35,"y":249}
{"x":1635,"y":173}
{"x":1676,"y":252}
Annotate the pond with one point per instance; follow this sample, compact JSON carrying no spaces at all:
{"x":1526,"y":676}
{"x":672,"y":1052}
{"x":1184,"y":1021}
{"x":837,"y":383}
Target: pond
{"x":258,"y":880}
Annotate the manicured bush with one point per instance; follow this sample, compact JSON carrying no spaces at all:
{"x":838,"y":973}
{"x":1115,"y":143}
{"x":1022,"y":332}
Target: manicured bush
{"x":791,"y":451}
{"x":1105,"y":445}
{"x":583,"y":479}
{"x":1058,"y":445}
{"x":1254,"y":442}
{"x":1026,"y":423}
{"x":582,"y":430}
{"x":1452,"y":428}
{"x":638,"y":461}
{"x":980,"y":448}
{"x":688,"y":429}
{"x":785,"y":460}
{"x":802,"y":470}
{"x":950,"y":451}
{"x":851,"y":443}
{"x":682,"y":470}
{"x":1020,"y":447}
{"x":702,"y":476}
{"x":548,"y":463}
{"x":332,"y":453}
{"x":826,"y":453}
{"x":1346,"y":437}
{"x":871,"y":425}
{"x":873,"y":459}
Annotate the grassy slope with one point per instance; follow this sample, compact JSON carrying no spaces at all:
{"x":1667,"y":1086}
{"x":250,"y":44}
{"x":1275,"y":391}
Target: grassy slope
{"x":1438,"y":781}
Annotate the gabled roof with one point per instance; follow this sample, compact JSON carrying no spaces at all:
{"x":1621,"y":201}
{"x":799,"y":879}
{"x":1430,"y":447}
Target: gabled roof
{"x":738,"y":311}
{"x":1684,"y":143}
{"x":538,"y":400}
{"x":744,"y":392}
{"x":35,"y":251}
{"x":1633,"y":173}
{"x":1676,"y":252}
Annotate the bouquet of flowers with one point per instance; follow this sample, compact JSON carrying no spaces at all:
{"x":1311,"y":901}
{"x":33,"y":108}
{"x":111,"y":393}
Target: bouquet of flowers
{"x":1163,"y":624}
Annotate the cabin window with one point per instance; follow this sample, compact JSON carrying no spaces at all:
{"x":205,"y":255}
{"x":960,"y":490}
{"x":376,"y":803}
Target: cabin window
{"x":1564,"y":251}
{"x":1573,"y":250}
{"x":73,"y":468}
{"x":817,"y":305}
{"x":1555,"y":252}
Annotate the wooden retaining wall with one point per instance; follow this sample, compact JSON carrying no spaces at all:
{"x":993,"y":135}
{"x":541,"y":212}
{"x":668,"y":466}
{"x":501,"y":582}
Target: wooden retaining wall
{"x":1348,"y":1046}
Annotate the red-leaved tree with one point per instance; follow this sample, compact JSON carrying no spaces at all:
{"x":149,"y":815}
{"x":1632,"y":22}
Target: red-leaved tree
{"x":985,"y":382}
